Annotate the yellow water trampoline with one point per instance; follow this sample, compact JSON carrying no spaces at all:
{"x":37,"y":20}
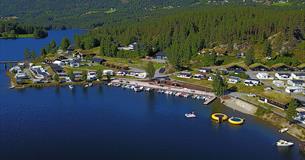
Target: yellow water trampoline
{"x":236,"y":120}
{"x":219,"y":117}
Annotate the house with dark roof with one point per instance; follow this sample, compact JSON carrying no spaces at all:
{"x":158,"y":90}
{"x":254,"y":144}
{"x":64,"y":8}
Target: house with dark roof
{"x":56,"y":68}
{"x":160,"y":56}
{"x":282,"y":67}
{"x":236,"y":68}
{"x":301,"y":67}
{"x":98,"y":60}
{"x":259,"y":67}
{"x":273,"y":103}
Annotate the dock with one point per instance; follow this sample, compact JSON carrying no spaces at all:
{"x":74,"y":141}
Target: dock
{"x":209,"y":96}
{"x":210,"y":100}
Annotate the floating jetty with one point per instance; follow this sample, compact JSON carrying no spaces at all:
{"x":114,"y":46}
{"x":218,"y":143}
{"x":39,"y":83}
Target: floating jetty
{"x":138,"y":86}
{"x":219,"y":117}
{"x":236,"y":120}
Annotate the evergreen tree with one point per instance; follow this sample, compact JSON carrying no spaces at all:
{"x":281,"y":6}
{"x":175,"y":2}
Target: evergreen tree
{"x":43,"y":52}
{"x":71,"y":75}
{"x":65,"y":43}
{"x":150,"y":70}
{"x":219,"y":85}
{"x":267,"y":49}
{"x":27,"y":54}
{"x":33,"y":55}
{"x":249,"y":57}
{"x":99,"y":74}
{"x":56,"y":77}
{"x":84,"y":75}
{"x":77,"y":41}
{"x":52,"y":47}
{"x":291,"y":110}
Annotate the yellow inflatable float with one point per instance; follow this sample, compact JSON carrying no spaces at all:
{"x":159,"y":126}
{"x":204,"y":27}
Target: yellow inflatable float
{"x":219,"y":117}
{"x":236,"y":120}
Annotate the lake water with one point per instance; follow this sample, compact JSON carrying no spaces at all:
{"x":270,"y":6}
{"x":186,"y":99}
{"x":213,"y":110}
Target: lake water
{"x":111,"y":123}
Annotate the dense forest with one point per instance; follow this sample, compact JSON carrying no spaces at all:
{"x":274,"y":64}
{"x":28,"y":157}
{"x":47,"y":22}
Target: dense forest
{"x":184,"y":34}
{"x":83,"y":13}
{"x":92,"y":13}
{"x":12,"y":29}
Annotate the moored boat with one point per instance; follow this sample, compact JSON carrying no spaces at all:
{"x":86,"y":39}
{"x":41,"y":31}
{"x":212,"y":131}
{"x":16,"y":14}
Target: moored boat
{"x":190,"y":115}
{"x":71,"y":86}
{"x":283,"y":130}
{"x":283,"y":143}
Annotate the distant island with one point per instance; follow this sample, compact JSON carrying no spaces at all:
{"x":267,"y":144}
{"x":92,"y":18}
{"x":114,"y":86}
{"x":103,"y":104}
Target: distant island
{"x":10,"y":29}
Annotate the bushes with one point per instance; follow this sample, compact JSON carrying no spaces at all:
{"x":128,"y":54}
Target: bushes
{"x":116,"y":66}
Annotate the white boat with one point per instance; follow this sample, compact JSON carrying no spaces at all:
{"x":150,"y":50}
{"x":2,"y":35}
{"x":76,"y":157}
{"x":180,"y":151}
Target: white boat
{"x":71,"y":87}
{"x":190,"y":115}
{"x":90,"y":84}
{"x":283,"y":130}
{"x":109,"y":84}
{"x":147,"y":89}
{"x":86,"y":86}
{"x":137,"y":89}
{"x":12,"y":87}
{"x":283,"y":143}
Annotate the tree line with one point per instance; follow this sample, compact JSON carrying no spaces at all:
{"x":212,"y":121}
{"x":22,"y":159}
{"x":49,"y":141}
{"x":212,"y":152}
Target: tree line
{"x":183,"y":34}
{"x":11,"y":29}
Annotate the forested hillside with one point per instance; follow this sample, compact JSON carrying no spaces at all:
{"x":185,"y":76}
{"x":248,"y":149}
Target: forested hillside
{"x":92,"y":13}
{"x":184,"y":34}
{"x":83,"y":13}
{"x":13,"y":29}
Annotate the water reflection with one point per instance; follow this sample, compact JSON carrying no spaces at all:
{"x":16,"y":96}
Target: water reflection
{"x":100,"y":90}
{"x":151,"y":101}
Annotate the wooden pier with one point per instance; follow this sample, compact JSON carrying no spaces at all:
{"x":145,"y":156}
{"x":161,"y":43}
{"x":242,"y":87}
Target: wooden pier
{"x":8,"y":63}
{"x":210,"y":97}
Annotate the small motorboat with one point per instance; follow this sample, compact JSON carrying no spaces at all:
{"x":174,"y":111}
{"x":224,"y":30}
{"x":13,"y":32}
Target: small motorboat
{"x":283,"y":143}
{"x":90,"y":84}
{"x":190,"y":115}
{"x":86,"y":86}
{"x":283,"y":130}
{"x":71,"y":86}
{"x":12,"y":87}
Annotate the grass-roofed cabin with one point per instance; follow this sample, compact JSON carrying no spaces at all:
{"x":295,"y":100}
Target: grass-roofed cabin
{"x":259,"y":67}
{"x":236,"y":68}
{"x":301,"y":67}
{"x":282,"y":67}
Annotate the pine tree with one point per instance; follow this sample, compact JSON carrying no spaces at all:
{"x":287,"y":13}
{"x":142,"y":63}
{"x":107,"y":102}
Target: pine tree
{"x":65,"y":43}
{"x":219,"y":85}
{"x":43,"y":52}
{"x":33,"y":55}
{"x":27,"y":54}
{"x":267,"y":49}
{"x":249,"y":57}
{"x":150,"y":69}
{"x":291,"y":110}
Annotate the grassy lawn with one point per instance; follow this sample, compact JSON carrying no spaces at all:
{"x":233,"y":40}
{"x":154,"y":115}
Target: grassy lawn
{"x":204,"y":83}
{"x":9,"y":36}
{"x":246,"y":89}
{"x":111,"y":10}
{"x":25,"y":36}
{"x":131,"y":62}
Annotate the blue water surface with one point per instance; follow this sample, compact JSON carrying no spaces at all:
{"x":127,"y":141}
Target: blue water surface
{"x":103,"y":122}
{"x":13,"y":49}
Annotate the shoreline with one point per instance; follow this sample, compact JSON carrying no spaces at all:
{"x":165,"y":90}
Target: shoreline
{"x":275,"y":120}
{"x":231,"y":102}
